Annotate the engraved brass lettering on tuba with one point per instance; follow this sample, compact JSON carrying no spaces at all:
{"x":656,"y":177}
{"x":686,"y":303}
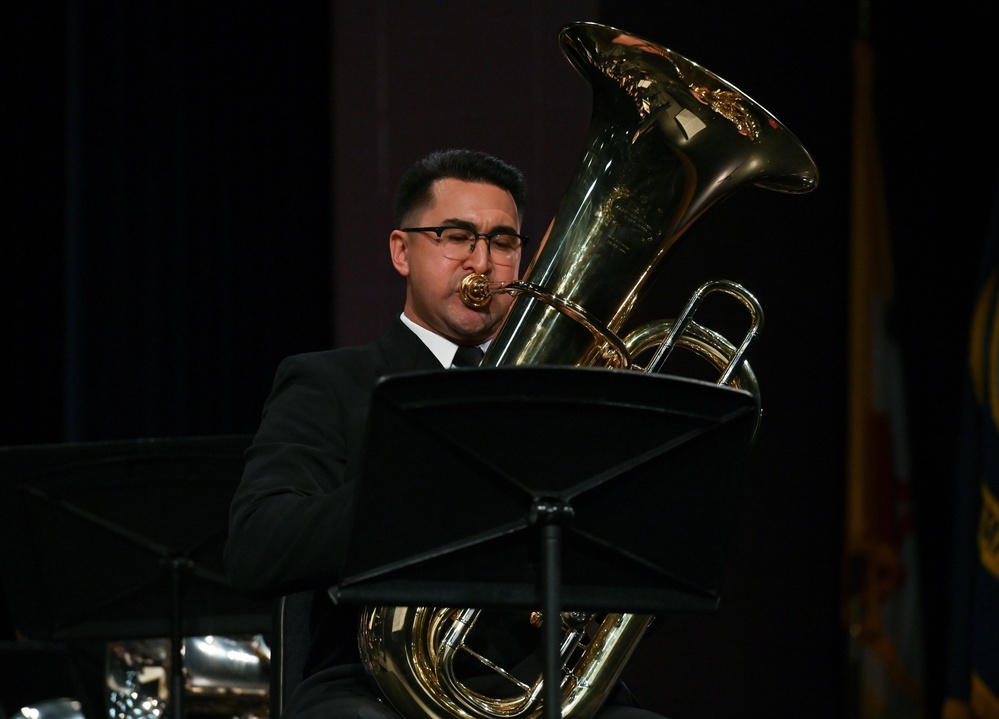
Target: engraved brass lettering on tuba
{"x":667,"y":139}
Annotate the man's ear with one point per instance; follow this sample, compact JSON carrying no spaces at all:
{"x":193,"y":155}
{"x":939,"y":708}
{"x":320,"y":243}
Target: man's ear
{"x":399,"y":251}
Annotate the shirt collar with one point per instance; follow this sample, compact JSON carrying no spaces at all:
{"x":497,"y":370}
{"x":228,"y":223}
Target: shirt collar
{"x":442,"y":348}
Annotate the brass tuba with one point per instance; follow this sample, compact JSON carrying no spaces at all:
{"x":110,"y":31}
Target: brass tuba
{"x":667,"y":140}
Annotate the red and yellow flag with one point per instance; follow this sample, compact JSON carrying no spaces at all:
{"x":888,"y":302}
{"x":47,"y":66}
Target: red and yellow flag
{"x":881,"y":604}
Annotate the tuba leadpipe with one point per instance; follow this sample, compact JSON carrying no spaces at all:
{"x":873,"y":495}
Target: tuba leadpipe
{"x":667,"y":140}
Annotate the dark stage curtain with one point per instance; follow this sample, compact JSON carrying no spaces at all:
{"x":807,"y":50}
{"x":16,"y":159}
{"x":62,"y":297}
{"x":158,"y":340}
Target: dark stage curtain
{"x":175,"y":167}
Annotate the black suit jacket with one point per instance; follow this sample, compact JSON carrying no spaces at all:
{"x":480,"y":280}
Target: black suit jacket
{"x":291,"y":511}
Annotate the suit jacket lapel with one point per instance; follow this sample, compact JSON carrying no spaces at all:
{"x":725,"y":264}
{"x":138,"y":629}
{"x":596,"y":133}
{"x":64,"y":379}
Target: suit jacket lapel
{"x":402,"y":351}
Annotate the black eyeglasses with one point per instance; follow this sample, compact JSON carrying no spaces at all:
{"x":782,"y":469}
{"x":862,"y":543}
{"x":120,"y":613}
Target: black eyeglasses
{"x":458,"y":243}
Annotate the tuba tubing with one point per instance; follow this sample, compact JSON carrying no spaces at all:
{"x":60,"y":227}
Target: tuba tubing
{"x":667,"y":140}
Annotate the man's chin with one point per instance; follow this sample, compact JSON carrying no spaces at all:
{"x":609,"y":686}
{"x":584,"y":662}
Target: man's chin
{"x":478,"y":323}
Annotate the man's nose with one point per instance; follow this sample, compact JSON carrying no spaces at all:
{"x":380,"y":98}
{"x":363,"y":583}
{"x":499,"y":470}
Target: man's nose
{"x":479,"y":259}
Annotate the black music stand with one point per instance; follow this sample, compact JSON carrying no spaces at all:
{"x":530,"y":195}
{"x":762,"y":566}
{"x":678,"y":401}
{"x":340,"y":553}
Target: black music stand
{"x":122,"y":540}
{"x":575,"y":488}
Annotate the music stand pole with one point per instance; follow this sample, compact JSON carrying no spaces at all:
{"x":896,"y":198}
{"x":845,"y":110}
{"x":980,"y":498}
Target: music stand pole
{"x":550,"y":513}
{"x":178,"y":565}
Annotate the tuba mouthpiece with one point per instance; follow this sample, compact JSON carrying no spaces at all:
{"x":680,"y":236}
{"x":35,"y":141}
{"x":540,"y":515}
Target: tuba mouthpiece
{"x":477,"y":290}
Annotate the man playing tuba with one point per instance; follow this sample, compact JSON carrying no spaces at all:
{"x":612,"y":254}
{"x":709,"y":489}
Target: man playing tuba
{"x":457,"y":213}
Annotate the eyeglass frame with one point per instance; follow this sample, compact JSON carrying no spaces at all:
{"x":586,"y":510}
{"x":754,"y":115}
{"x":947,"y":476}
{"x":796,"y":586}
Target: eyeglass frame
{"x":439,"y":231}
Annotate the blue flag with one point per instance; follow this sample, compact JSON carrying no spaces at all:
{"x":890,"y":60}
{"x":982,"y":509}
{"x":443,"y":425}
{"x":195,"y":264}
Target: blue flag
{"x":973,"y":661}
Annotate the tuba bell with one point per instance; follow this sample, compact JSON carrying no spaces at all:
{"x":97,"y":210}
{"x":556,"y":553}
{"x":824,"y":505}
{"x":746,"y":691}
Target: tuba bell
{"x":667,"y":139}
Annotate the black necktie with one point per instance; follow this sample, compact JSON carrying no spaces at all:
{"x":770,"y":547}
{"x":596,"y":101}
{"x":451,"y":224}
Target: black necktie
{"x":467,"y":357}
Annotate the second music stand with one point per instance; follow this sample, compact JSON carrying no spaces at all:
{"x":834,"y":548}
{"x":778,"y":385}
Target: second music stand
{"x":123,"y":540}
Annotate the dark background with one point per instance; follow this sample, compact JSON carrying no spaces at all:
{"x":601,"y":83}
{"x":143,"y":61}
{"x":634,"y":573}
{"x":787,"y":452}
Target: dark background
{"x":202,"y":189}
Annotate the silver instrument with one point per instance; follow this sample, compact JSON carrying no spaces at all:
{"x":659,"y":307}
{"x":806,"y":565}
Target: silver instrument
{"x":223,"y":677}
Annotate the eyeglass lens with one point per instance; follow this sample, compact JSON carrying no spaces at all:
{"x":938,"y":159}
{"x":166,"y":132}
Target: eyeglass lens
{"x":459,"y":244}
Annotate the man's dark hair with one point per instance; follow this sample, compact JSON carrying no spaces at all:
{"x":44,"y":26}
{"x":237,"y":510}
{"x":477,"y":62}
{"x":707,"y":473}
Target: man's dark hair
{"x":415,"y":187}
